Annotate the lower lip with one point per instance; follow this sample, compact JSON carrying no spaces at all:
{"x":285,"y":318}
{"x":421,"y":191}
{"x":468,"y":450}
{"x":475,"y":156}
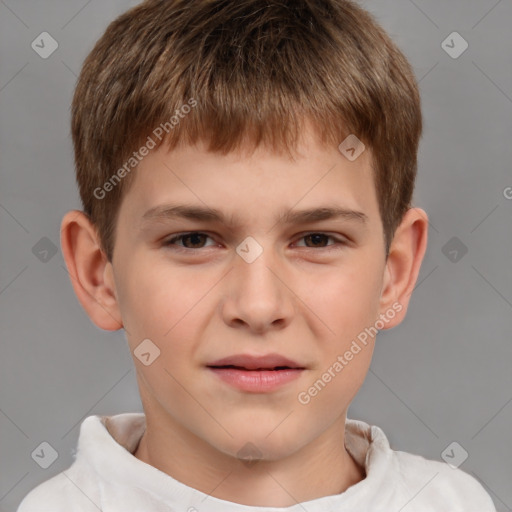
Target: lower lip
{"x":256,"y":381}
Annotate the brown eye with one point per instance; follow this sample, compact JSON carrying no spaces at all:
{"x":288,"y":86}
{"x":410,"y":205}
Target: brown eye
{"x":317,"y":239}
{"x":320,"y":241}
{"x":193,"y":240}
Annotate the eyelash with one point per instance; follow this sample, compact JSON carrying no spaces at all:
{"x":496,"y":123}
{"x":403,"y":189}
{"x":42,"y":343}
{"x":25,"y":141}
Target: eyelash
{"x":170,"y":242}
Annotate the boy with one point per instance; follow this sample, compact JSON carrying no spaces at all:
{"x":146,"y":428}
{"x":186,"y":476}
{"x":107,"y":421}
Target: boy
{"x":246,"y":170}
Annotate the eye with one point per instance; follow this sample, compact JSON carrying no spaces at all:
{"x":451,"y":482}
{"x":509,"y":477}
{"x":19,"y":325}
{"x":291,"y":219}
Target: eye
{"x":193,"y":240}
{"x":197,"y":240}
{"x":317,"y":240}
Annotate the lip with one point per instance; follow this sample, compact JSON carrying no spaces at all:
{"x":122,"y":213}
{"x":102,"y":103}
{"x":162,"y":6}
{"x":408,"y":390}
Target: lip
{"x":256,"y":374}
{"x":264,"y":362}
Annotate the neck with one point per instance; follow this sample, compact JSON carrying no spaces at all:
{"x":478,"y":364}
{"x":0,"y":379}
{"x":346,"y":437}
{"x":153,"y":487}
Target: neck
{"x":321,"y":468}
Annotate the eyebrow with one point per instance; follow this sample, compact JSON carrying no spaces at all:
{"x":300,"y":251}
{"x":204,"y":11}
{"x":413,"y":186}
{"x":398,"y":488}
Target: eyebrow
{"x":290,"y":217}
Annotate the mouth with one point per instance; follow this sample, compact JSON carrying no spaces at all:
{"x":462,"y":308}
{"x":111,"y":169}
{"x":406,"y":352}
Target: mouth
{"x":277,"y":368}
{"x":258,"y":374}
{"x":269,"y":362}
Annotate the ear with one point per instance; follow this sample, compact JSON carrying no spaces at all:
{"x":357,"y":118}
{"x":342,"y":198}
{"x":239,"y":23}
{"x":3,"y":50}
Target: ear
{"x":90,"y":271}
{"x":403,"y":265}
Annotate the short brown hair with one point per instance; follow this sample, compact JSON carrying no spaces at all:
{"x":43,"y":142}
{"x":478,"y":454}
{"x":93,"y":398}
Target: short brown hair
{"x":256,"y":70}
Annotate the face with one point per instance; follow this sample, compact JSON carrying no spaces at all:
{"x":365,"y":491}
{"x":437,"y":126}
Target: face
{"x":258,"y":283}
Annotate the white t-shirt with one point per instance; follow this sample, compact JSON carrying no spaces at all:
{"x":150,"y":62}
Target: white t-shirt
{"x":107,"y":476}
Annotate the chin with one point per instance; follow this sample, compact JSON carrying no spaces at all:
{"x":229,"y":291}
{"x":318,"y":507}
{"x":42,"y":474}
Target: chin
{"x":255,"y":443}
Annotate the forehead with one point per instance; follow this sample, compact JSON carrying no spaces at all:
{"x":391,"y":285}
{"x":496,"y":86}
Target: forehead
{"x":190,"y":181}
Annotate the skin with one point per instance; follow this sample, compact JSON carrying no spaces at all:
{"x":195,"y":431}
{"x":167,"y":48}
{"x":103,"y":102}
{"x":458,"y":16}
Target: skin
{"x":304,"y":298}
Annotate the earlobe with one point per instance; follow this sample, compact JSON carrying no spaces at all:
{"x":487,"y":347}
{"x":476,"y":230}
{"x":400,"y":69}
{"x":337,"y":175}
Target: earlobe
{"x":403,"y":264}
{"x":87,"y":267}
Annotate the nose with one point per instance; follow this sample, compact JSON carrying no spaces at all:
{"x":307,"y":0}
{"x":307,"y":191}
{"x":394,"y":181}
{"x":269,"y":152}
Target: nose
{"x":257,"y":297}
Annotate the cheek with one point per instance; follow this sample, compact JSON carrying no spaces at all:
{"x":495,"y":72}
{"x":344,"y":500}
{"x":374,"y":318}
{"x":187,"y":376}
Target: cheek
{"x":346,"y":299}
{"x":172,"y":309}
{"x":164,"y":307}
{"x":156,"y":300}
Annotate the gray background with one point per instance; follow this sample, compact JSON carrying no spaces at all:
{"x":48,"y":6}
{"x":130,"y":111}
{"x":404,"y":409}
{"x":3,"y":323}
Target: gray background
{"x":442,"y":376}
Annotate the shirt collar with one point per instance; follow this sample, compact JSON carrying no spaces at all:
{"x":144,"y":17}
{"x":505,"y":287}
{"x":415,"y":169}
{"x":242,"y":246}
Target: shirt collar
{"x":107,"y":444}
